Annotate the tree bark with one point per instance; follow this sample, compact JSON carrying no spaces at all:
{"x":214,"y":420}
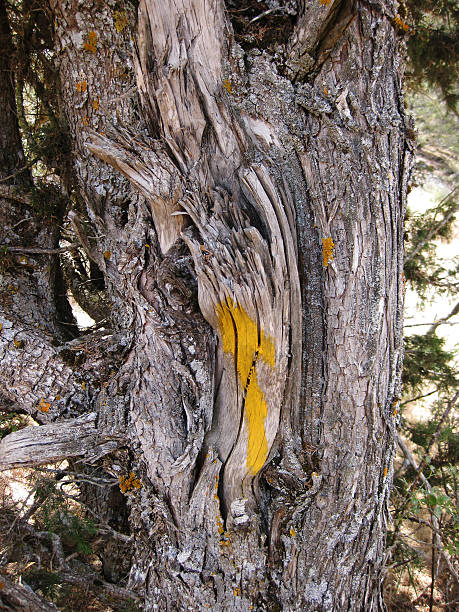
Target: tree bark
{"x":248,"y":202}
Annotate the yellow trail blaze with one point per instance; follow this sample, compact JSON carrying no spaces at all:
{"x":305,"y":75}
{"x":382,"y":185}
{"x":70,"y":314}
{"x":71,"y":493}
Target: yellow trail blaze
{"x":241,"y":338}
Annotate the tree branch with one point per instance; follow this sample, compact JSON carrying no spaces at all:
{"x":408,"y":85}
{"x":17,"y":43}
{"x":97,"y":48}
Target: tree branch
{"x":453,"y":312}
{"x":54,"y":442}
{"x":436,"y":228}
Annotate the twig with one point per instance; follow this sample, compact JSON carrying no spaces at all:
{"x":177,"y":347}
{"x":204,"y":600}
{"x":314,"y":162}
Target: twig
{"x":39,"y":251}
{"x":20,"y":171}
{"x":261,"y":15}
{"x":435,"y":523}
{"x":414,"y":399}
{"x":436,"y":323}
{"x":433,"y":439}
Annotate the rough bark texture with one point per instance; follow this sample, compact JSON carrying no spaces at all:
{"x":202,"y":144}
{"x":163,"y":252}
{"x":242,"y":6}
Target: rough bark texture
{"x":248,"y":206}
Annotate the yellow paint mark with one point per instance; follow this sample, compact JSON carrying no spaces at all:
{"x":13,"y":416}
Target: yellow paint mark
{"x":292,"y":532}
{"x":256,"y":412}
{"x":235,"y":324}
{"x":327,"y":250}
{"x":227,"y":86}
{"x":91,"y":44}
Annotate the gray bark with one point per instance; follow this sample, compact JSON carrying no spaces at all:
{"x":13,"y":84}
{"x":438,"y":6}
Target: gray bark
{"x":248,"y":205}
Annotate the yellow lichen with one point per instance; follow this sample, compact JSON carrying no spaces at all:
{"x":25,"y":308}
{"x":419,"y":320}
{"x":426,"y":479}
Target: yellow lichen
{"x":96,"y":104}
{"x":292,"y":532}
{"x":83,"y":385}
{"x":242,"y":338}
{"x":327,"y":250}
{"x":121,"y":20}
{"x":85,"y":120}
{"x":107,"y":254}
{"x":324,"y":2}
{"x":91,"y":43}
{"x":236,"y":592}
{"x":127,"y":483}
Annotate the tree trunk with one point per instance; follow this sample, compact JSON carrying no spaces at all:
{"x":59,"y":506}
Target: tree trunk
{"x":246,"y":180}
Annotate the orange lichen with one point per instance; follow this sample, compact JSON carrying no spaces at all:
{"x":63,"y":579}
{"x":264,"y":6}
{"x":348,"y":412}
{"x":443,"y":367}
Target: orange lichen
{"x":227,"y":86}
{"x":91,"y":44}
{"x":128,"y":483}
{"x":327,"y":250}
{"x":44,"y":406}
{"x":236,"y":592}
{"x":18,"y":343}
{"x":292,"y":532}
{"x":96,"y":104}
{"x":81,"y":86}
{"x":324,"y":2}
{"x":83,"y":385}
{"x":107,"y":254}
{"x":85,"y":120}
{"x":401,"y":24}
{"x":385,"y":471}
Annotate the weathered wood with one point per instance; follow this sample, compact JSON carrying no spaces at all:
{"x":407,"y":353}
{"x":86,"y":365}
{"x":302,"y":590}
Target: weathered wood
{"x":19,"y":597}
{"x":54,"y":442}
